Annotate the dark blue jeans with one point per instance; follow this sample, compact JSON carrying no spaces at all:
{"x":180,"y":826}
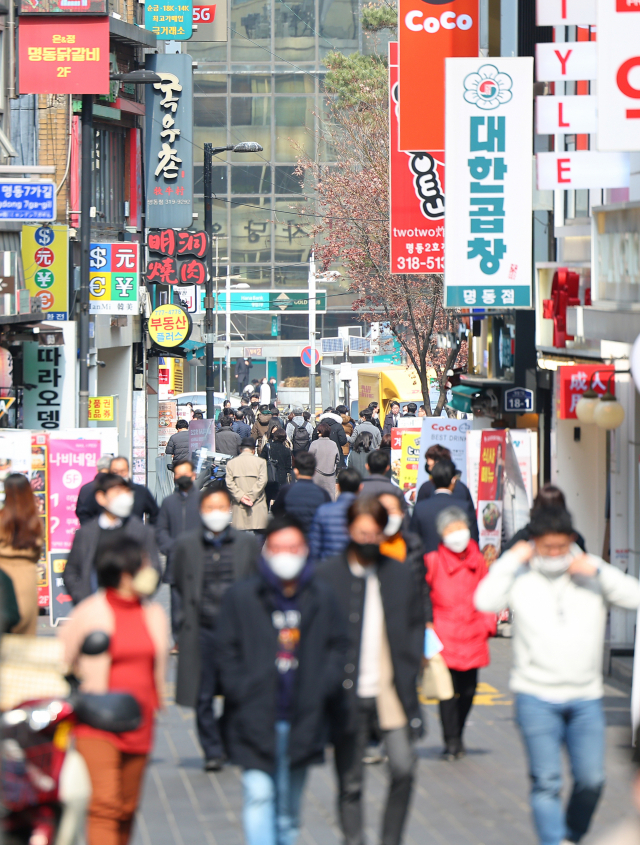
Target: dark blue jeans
{"x":545,"y":727}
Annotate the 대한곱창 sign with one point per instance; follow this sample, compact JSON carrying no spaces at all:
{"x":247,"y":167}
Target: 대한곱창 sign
{"x":25,"y":200}
{"x":488,"y":232}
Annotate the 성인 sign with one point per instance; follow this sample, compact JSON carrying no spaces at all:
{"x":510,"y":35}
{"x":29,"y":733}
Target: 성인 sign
{"x":169,"y":326}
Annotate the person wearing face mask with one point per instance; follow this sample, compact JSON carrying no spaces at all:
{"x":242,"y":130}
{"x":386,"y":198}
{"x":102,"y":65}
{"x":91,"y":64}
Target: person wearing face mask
{"x":115,"y":499}
{"x":144,"y":503}
{"x":423,"y":521}
{"x":179,"y":512}
{"x":205,"y":562}
{"x":135,"y":663}
{"x":379,"y":597}
{"x":454,"y":571}
{"x":560,"y":598}
{"x":281,"y":650}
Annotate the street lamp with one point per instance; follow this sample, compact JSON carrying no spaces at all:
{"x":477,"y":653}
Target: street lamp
{"x":142,"y":77}
{"x":209,"y":152}
{"x":229,"y":288}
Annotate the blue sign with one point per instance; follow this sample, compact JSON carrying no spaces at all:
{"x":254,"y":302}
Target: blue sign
{"x":518,"y":399}
{"x":24,"y":200}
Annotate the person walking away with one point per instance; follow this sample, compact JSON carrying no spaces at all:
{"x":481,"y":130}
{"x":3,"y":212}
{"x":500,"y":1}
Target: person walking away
{"x":560,"y":598}
{"x":337,"y":432}
{"x":347,"y":426}
{"x":240,"y":425}
{"x":135,"y":663}
{"x":302,"y":498}
{"x":454,"y":571}
{"x":277,"y":451}
{"x":246,"y":482}
{"x":205,"y":562}
{"x":265,"y":392}
{"x":179,"y":512}
{"x":144,"y":503}
{"x":549,"y":496}
{"x":274,"y":423}
{"x":435,"y":453}
{"x":359,"y":454}
{"x":228,"y":441}
{"x":328,"y":534}
{"x":391,"y":420}
{"x":385,"y":446}
{"x":410,"y":410}
{"x":178,"y":444}
{"x":115,"y":497}
{"x":86,"y":507}
{"x":299,"y":432}
{"x":21,"y":534}
{"x":242,"y":374}
{"x":327,"y":457}
{"x":260,"y":430}
{"x":378,"y":596}
{"x":365,"y":425}
{"x":376,"y":481}
{"x":282,"y":649}
{"x":423,"y":521}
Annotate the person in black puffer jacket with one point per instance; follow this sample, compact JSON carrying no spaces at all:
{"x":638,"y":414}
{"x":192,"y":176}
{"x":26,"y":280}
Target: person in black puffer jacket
{"x":302,"y":498}
{"x":279,"y":453}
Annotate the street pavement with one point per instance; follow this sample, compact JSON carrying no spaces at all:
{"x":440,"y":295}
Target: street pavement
{"x":481,"y":800}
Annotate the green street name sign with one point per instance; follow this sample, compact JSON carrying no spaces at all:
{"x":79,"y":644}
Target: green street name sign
{"x":271,"y":301}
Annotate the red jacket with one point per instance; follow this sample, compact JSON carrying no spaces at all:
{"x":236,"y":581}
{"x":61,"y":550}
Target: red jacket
{"x":463,"y":629}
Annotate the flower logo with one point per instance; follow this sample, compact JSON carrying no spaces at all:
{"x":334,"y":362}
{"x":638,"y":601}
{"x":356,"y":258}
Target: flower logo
{"x":488,"y":88}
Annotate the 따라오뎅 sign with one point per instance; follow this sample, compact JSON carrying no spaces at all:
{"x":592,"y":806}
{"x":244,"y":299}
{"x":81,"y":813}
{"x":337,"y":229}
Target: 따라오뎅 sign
{"x":489,"y":149}
{"x":114,"y":272}
{"x":169,"y":142}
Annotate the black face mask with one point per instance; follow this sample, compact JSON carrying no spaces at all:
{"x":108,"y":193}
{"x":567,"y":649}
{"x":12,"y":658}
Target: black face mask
{"x":184,"y":483}
{"x":367,"y":551}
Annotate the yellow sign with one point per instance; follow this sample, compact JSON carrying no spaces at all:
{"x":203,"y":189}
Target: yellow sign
{"x":45,"y":257}
{"x":101,"y":408}
{"x":410,"y":459}
{"x":5,"y":403}
{"x":169,"y":326}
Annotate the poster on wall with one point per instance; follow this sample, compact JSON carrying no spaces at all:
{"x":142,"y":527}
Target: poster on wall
{"x":72,"y":463}
{"x":405,"y":453}
{"x":167,"y":419}
{"x":490,"y":492}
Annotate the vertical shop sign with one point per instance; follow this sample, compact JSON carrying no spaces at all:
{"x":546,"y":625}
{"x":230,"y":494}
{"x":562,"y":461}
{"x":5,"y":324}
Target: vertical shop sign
{"x":416,"y":193}
{"x":45,"y":258}
{"x":113,"y":278}
{"x":429,"y":32}
{"x":490,"y":490}
{"x":139,"y":426}
{"x":618,"y":75}
{"x":489,"y":190}
{"x":51,"y":404}
{"x":169,"y":142}
{"x":72,"y":463}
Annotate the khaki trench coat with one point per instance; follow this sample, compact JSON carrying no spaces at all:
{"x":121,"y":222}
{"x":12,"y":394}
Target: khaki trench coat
{"x":20,"y":566}
{"x":247,"y":476}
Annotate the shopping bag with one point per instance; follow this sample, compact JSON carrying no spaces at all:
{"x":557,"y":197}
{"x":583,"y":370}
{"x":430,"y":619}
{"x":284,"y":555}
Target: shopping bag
{"x":436,"y":680}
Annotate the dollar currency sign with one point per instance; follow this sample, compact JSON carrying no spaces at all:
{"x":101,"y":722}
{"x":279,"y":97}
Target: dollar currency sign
{"x":98,"y":257}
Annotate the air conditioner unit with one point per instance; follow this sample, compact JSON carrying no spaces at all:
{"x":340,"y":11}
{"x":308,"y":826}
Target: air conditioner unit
{"x":332,"y":345}
{"x":360,"y":345}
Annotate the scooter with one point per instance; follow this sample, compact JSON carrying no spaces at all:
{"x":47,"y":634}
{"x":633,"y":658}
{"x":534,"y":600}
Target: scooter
{"x":45,"y":783}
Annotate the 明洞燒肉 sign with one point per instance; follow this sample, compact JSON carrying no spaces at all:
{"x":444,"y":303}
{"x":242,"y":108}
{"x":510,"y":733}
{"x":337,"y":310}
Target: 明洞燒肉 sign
{"x":489,"y":184}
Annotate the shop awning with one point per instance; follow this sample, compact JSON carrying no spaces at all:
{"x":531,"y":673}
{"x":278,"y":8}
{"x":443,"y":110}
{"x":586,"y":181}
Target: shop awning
{"x":194,"y":349}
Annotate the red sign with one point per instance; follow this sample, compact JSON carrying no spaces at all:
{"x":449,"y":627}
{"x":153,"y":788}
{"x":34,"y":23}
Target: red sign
{"x":576,"y":379}
{"x":204,"y":14}
{"x":493,"y":445}
{"x":416,"y":191}
{"x":67,"y":7}
{"x":429,"y":32}
{"x":305,"y":356}
{"x":64,"y":55}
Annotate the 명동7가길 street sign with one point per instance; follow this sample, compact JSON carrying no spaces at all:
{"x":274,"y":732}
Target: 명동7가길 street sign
{"x":21,"y":199}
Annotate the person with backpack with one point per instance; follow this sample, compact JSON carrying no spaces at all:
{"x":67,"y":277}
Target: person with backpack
{"x":260,"y":430}
{"x":360,"y":453}
{"x":299,"y":432}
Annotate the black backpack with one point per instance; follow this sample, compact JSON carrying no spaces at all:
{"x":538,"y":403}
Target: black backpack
{"x":301,"y":440}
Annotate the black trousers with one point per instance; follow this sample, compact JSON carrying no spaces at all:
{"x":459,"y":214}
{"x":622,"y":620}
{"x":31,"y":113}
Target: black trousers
{"x":349,"y":751}
{"x":453,"y":713}
{"x":207,"y":724}
{"x":176,"y":612}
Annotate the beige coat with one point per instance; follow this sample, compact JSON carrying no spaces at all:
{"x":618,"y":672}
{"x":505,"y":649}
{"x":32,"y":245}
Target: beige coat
{"x":247,"y":476}
{"x":95,"y":614}
{"x":20,"y":566}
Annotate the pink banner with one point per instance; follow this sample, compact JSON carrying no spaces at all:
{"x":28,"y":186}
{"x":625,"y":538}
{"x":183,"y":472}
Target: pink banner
{"x":72,"y":463}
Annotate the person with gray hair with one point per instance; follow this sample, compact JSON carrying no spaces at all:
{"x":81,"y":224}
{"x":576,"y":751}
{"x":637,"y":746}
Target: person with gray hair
{"x":86,"y":506}
{"x":454,"y":571}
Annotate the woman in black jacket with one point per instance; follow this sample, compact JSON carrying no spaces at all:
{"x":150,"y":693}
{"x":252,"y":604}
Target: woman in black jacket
{"x":277,"y":451}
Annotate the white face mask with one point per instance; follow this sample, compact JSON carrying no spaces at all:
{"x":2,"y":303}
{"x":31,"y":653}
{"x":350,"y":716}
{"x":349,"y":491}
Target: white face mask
{"x":285,"y":565}
{"x":145,"y":581}
{"x":121,"y":505}
{"x":394,"y":524}
{"x":457,"y":541}
{"x":552,"y":565}
{"x":216,"y":521}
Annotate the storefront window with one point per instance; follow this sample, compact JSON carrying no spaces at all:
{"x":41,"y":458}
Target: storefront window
{"x":109,"y":176}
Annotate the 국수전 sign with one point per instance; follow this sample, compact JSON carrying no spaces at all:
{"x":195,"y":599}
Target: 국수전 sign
{"x":114,"y":272}
{"x":489,"y":149}
{"x":169,"y":326}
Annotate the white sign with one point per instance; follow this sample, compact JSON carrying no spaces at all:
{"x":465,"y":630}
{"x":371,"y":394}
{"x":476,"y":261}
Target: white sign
{"x":51,"y":404}
{"x":565,"y":12}
{"x":619,"y":76}
{"x":583,"y":169}
{"x":449,"y":433}
{"x":488,"y":142}
{"x":566,"y":115}
{"x":567,"y":61}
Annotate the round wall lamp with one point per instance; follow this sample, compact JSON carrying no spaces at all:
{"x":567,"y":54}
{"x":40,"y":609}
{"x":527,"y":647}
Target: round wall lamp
{"x":603,"y":410}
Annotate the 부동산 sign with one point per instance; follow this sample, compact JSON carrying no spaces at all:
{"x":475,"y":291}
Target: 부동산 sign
{"x":489,"y":185}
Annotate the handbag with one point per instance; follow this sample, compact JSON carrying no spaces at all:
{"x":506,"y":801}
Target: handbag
{"x":272,"y":468}
{"x":436,"y":680}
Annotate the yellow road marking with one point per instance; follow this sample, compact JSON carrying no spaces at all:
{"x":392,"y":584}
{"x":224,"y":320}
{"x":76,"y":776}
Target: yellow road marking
{"x":485,"y":695}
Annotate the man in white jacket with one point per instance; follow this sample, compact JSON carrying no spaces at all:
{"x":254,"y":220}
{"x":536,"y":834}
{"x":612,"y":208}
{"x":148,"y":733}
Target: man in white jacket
{"x":559,"y":597}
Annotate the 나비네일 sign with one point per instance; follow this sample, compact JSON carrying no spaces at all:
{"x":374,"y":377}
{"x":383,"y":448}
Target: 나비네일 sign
{"x":489,"y":186}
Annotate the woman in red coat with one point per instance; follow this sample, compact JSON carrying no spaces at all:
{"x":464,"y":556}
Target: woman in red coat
{"x":453,"y":573}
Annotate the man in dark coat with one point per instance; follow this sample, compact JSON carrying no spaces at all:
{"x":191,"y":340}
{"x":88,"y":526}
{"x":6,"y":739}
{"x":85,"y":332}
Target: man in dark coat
{"x":205,"y":562}
{"x":329,"y":535}
{"x":281,"y":649}
{"x":240,"y":426}
{"x":86,"y":504}
{"x":379,"y":597}
{"x":391,"y":420}
{"x":228,"y":441}
{"x":302,"y":498}
{"x":178,"y":444}
{"x":435,"y":453}
{"x":144,"y":503}
{"x":423,"y":521}
{"x":115,"y":499}
{"x":179,"y":512}
{"x":242,"y":373}
{"x":377,"y":482}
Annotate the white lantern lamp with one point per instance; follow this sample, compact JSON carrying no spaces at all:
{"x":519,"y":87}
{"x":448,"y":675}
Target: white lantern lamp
{"x":587,"y":405}
{"x":609,"y":413}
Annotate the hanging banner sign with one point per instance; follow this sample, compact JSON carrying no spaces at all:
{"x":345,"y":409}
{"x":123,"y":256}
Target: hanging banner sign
{"x":416,"y":192}
{"x":64,"y":55}
{"x":566,"y":62}
{"x":489,"y":191}
{"x":113,"y":278}
{"x":565,"y":12}
{"x":72,"y":463}
{"x":45,"y":258}
{"x":490,"y":490}
{"x":583,"y":169}
{"x":429,"y":32}
{"x":169,"y":21}
{"x":566,"y":115}
{"x":177,"y":257}
{"x":618,"y":48}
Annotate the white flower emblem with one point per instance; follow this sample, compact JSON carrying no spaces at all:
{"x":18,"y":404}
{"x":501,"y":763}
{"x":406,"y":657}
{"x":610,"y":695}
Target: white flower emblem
{"x":488,"y":88}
